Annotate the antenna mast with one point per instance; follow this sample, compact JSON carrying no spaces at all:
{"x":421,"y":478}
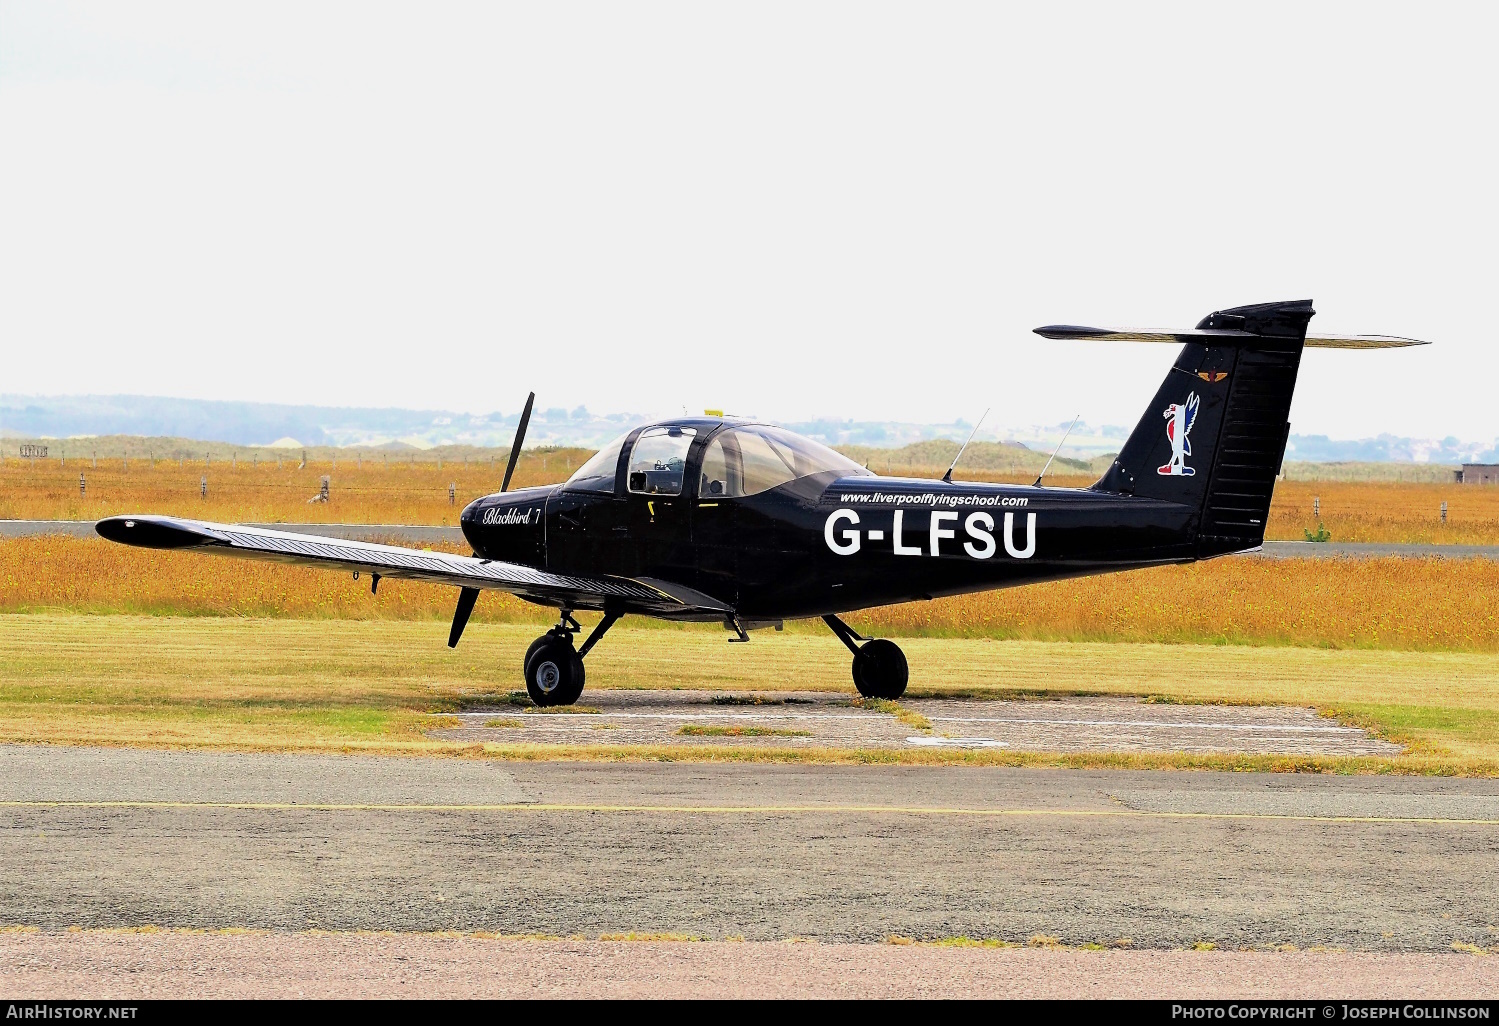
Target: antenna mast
{"x":1057,"y":450}
{"x":947,"y":477}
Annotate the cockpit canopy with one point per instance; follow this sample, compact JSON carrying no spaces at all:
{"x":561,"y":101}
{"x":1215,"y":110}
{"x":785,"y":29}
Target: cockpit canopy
{"x":755,"y":458}
{"x":738,"y":460}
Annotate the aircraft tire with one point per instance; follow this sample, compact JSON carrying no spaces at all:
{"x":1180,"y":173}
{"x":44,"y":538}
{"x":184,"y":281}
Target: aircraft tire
{"x":880,"y":670}
{"x":531,"y":650}
{"x":554,"y":673}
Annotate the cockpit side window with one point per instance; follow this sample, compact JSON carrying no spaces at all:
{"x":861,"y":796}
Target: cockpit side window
{"x":720,"y":475}
{"x":658,"y":462}
{"x":749,"y":460}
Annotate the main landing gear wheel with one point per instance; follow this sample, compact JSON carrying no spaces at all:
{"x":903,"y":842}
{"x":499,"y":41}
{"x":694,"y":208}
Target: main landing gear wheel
{"x":880,"y":670}
{"x":554,"y":671}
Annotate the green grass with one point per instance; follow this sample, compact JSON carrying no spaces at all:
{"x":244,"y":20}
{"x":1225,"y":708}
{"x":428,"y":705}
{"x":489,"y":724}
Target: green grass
{"x":373,"y":686}
{"x":694,"y":730}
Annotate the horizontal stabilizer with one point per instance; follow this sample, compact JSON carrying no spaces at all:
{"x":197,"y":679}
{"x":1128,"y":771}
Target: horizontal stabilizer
{"x":1220,"y":337}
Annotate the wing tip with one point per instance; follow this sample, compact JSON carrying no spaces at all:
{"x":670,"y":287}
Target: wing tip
{"x":1316,"y":341}
{"x":148,"y":531}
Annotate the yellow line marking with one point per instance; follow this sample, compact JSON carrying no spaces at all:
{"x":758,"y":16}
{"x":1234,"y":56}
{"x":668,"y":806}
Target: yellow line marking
{"x":737,"y":810}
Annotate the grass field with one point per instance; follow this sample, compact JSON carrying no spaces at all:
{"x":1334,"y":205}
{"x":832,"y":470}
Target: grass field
{"x":371,"y":686}
{"x":402,"y":490}
{"x":1422,"y":604}
{"x":240,"y":654}
{"x":380,"y":489}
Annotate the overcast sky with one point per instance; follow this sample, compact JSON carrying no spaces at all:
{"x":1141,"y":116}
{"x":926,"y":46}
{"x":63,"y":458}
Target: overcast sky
{"x":790,"y":210}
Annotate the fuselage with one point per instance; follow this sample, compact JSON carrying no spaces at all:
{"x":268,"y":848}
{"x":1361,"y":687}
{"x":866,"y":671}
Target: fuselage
{"x":829,"y":541}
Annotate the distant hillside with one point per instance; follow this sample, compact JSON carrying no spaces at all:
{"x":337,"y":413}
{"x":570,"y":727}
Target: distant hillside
{"x":994,"y":457}
{"x":258,"y":424}
{"x":190,"y":423}
{"x":135,"y":447}
{"x":983,"y":460}
{"x":1404,"y":473}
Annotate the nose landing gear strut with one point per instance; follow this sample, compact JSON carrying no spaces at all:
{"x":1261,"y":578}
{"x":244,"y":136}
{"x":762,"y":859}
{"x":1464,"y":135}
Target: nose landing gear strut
{"x":880,"y":669}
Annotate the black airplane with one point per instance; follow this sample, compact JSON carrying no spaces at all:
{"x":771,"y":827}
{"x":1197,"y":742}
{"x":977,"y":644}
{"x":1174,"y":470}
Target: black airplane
{"x":729,"y":520}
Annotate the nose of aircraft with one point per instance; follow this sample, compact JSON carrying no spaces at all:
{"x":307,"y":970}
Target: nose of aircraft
{"x":508,"y":525}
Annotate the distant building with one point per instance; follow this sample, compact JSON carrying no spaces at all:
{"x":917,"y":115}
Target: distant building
{"x":1479,"y":473}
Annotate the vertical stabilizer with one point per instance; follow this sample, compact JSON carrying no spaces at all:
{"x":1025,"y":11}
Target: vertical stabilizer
{"x":1214,"y":436}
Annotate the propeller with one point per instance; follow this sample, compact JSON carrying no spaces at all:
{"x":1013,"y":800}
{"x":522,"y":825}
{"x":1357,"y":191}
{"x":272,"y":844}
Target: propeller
{"x":466,"y":599}
{"x":520,"y":436}
{"x":468,"y":596}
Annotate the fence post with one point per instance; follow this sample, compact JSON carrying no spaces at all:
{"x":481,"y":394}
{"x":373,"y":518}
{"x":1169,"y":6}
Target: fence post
{"x":82,"y":486}
{"x":203,"y":487}
{"x":452,"y":492}
{"x":1444,"y":512}
{"x":323,"y":489}
{"x":1316,"y":506}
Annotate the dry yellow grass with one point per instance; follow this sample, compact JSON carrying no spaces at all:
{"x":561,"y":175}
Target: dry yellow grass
{"x":404,"y":492}
{"x":371,"y":686}
{"x":373,"y":491}
{"x":1367,"y":603}
{"x":1387,"y":512}
{"x":95,"y":576}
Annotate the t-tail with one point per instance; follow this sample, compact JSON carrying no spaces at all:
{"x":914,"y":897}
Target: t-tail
{"x":1215,"y":434}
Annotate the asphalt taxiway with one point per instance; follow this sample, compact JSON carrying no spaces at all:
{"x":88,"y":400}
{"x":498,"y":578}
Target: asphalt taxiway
{"x":807,"y":719}
{"x":113,"y":838}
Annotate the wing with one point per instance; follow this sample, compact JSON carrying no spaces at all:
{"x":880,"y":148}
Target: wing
{"x":1193,"y":402}
{"x":655,"y":598}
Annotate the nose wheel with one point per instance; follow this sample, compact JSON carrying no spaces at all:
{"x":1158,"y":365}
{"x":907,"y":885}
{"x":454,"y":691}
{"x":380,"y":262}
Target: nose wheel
{"x":554,"y":669}
{"x":880,"y":668}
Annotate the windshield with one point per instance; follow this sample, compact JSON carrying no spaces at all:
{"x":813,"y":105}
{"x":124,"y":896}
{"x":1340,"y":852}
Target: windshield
{"x":597,"y":475}
{"x":749,"y":460}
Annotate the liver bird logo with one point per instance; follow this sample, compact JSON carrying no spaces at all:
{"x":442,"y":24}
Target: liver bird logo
{"x":1179,"y":420}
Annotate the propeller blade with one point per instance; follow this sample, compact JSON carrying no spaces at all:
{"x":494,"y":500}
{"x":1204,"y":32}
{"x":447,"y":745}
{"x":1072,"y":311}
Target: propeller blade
{"x":466,"y":599}
{"x":520,"y":436}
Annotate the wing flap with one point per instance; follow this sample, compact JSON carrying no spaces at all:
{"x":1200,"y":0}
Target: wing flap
{"x":158,"y":532}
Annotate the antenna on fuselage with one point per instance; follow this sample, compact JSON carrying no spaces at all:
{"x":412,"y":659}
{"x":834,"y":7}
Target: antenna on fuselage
{"x":1057,"y":450}
{"x":520,"y":436}
{"x":947,"y":477}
